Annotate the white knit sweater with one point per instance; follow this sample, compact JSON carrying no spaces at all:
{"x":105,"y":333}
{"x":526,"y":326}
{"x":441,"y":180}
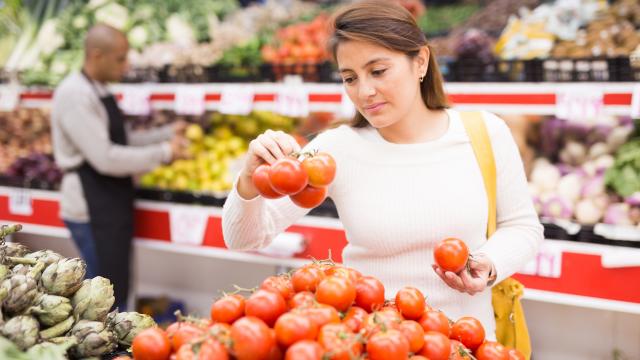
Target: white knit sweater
{"x":397,"y":200}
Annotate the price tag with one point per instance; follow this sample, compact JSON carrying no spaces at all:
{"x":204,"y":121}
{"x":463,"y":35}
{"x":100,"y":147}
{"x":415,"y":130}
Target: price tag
{"x":285,"y":245}
{"x":584,"y":104}
{"x":189,"y":100}
{"x":135,"y":101}
{"x":20,"y":202}
{"x":292,"y":100}
{"x":547,"y":263}
{"x":347,"y":109}
{"x":236,"y":99}
{"x":187,"y":224}
{"x":635,"y":103}
{"x":9,"y":97}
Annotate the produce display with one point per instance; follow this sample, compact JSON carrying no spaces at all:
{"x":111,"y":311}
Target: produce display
{"x":322,"y":311}
{"x":23,"y":132}
{"x":50,"y":311}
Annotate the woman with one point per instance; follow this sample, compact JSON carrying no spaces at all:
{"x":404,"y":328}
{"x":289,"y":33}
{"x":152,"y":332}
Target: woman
{"x":406,"y":173}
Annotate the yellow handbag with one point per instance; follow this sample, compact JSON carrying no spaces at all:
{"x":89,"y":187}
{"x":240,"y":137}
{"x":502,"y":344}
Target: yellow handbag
{"x":511,"y":325}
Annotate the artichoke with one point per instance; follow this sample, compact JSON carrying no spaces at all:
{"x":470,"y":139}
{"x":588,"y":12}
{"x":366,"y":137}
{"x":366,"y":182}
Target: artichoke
{"x":20,"y":269}
{"x":64,"y":277}
{"x":93,"y":300}
{"x":94,"y":339}
{"x":15,"y":249}
{"x":128,"y":324}
{"x":48,"y":257}
{"x":21,"y":292}
{"x":22,"y":330}
{"x":51,"y":309}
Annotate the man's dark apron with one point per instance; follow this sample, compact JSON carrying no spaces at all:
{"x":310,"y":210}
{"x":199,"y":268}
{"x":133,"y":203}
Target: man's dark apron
{"x":110,"y":203}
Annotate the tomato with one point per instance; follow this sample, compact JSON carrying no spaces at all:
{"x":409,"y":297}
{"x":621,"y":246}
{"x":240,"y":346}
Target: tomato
{"x":515,"y":354}
{"x":369,"y":293}
{"x":321,"y":169}
{"x":275,"y":353}
{"x":381,"y":320}
{"x":279,"y":284}
{"x":302,"y":299}
{"x":354,"y":318}
{"x":260,"y":179}
{"x":458,"y":351}
{"x":435,"y":320}
{"x":418,"y":357}
{"x":322,"y":314}
{"x":491,"y":350}
{"x":451,"y":254}
{"x":336,"y":291}
{"x":151,"y":344}
{"x":410,"y":302}
{"x":469,"y":332}
{"x":339,"y":342}
{"x":309,"y":197}
{"x":252,"y":339}
{"x":390,"y":344}
{"x":291,"y":327}
{"x":304,"y":350}
{"x":307,"y":278}
{"x":343,"y":271}
{"x":222,"y":333}
{"x":287,"y":176}
{"x":228,"y":309}
{"x":436,"y":346}
{"x":208,"y":349}
{"x":184,"y":334}
{"x":414,"y":334}
{"x":265,"y":305}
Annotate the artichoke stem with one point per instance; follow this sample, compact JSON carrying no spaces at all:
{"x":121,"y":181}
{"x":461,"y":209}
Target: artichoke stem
{"x":23,"y":261}
{"x":67,"y":340}
{"x":37,"y":269}
{"x":9,"y":229}
{"x":58,"y":329}
{"x":3,"y":293}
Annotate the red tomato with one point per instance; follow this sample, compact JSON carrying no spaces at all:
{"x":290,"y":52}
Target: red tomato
{"x":410,"y":302}
{"x":302,"y":299}
{"x":151,"y":344}
{"x":469,"y":331}
{"x":309,"y":197}
{"x":307,"y":278}
{"x":436,"y":346}
{"x":322,"y":314}
{"x":287,"y":176}
{"x":354,"y":318}
{"x":252,"y":339}
{"x":458,"y":351}
{"x":260,"y":179}
{"x":414,"y":333}
{"x":339,"y":342}
{"x":291,"y":328}
{"x":184,"y":334}
{"x":390,"y":344}
{"x":451,"y":254}
{"x":209,"y":350}
{"x":418,"y":357}
{"x":228,"y":309}
{"x":491,"y":350}
{"x":515,"y":354}
{"x":343,"y":271}
{"x":321,"y":169}
{"x":304,"y":350}
{"x":435,"y":320}
{"x":222,"y":333}
{"x":279,"y":284}
{"x":336,"y":291}
{"x":381,"y":320}
{"x":276,"y":352}
{"x":369,"y":293}
{"x":265,"y":305}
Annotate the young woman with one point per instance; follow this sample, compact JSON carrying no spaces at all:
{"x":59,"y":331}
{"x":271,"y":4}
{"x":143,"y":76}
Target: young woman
{"x":406,"y":173}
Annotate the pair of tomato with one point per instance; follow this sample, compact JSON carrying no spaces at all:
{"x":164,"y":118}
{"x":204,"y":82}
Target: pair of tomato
{"x":188,"y":342}
{"x":305,"y":182}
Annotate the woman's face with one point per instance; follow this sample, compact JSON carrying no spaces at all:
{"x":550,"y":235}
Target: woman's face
{"x":382,"y":84}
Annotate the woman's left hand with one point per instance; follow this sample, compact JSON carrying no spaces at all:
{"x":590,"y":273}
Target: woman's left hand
{"x":471,"y":280}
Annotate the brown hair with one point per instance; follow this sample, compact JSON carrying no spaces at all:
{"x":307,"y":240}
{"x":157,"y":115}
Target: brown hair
{"x":389,"y":25}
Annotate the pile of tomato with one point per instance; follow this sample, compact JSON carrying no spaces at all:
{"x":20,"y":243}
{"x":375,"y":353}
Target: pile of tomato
{"x":322,"y":311}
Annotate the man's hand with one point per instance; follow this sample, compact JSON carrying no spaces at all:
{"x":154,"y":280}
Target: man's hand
{"x":471,"y":280}
{"x":178,"y":148}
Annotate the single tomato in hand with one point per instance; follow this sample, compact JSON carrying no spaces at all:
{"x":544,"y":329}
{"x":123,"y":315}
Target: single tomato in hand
{"x":451,"y":254}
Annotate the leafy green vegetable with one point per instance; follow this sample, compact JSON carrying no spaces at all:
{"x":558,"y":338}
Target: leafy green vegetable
{"x":439,"y":19}
{"x":624,"y":176}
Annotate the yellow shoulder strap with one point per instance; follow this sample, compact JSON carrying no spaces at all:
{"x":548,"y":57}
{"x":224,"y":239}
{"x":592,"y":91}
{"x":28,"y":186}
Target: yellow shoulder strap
{"x":481,"y":144}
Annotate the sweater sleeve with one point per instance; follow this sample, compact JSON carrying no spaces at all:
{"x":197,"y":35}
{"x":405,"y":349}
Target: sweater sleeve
{"x":151,"y":136}
{"x":519,"y":232}
{"x":252,"y":224}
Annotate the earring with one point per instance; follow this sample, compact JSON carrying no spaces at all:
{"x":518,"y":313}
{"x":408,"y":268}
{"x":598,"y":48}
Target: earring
{"x":421,"y":78}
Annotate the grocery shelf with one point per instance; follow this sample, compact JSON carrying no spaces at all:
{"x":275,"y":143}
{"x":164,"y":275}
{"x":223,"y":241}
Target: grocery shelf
{"x":504,"y":98}
{"x":564,"y":272}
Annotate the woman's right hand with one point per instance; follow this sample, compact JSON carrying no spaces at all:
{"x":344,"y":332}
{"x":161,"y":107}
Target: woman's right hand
{"x":266,"y":148}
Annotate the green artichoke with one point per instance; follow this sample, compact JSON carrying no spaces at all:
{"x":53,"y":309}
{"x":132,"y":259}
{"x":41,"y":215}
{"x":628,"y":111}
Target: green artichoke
{"x":93,"y":300}
{"x":22,"y":330}
{"x":64,"y":277}
{"x":128,"y":324}
{"x":94,"y":339}
{"x":48,"y":257}
{"x":21,"y":292}
{"x":51,"y":309}
{"x":15,"y":249}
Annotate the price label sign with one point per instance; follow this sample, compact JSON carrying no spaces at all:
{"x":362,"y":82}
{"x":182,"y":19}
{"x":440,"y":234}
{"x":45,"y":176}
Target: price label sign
{"x":135,"y":101}
{"x":189,"y":100}
{"x":9,"y":97}
{"x":237,"y":100}
{"x":292,"y":100}
{"x":635,"y":103}
{"x":20,"y":202}
{"x":547,"y":263}
{"x":584,"y":104}
{"x":188,"y":224}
